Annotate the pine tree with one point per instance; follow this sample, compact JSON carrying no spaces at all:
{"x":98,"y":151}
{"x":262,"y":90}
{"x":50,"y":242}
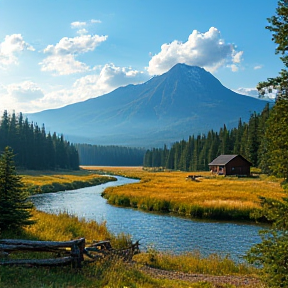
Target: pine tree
{"x":276,"y":138}
{"x":15,"y":210}
{"x":271,"y":254}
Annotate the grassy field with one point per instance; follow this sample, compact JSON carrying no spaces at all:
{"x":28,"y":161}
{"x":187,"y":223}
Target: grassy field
{"x":51,"y":181}
{"x":114,"y":272}
{"x":210,"y":196}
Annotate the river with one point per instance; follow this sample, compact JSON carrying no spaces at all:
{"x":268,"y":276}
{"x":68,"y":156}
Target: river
{"x":161,"y":232}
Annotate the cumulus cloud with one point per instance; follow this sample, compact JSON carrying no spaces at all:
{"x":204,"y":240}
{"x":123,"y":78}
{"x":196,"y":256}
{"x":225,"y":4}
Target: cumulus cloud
{"x":206,"y":50}
{"x":61,"y":57}
{"x":63,"y":65}
{"x":29,"y":97}
{"x":24,"y":91}
{"x":10,"y":48}
{"x":107,"y":80}
{"x":21,"y":96}
{"x":76,"y":45}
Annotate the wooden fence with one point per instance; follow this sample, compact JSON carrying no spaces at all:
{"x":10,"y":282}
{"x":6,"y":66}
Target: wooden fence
{"x":67,"y":252}
{"x":72,"y":251}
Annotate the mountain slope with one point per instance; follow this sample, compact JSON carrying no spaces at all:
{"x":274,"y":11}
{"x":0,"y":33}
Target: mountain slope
{"x":184,"y":101}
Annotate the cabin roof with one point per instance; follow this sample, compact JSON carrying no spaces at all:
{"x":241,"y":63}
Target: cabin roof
{"x":224,"y":159}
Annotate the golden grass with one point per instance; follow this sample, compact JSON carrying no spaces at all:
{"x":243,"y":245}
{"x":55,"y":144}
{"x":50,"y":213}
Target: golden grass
{"x":51,"y":181}
{"x":63,"y":227}
{"x":109,"y":273}
{"x":194,"y":262}
{"x":209,"y":197}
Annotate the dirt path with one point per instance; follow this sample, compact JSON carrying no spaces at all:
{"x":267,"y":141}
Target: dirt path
{"x":238,"y":281}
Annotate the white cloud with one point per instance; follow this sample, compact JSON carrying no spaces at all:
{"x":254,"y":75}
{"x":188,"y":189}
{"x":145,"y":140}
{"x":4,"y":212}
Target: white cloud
{"x":63,"y":65}
{"x":95,"y":21}
{"x":78,"y":24}
{"x":61,"y":57}
{"x":10,"y":48}
{"x":76,"y":45}
{"x":107,"y":80}
{"x":29,"y":97}
{"x":248,"y":91}
{"x":21,"y":97}
{"x":234,"y":67}
{"x":236,"y":58}
{"x":253,"y":92}
{"x":24,"y":91}
{"x":258,"y":67}
{"x":82,"y":31}
{"x":206,"y":50}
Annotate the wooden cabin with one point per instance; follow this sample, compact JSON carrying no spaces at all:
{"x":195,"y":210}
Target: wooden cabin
{"x":230,"y":165}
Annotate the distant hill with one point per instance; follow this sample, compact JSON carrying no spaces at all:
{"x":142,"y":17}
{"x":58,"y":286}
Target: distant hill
{"x":184,"y":101}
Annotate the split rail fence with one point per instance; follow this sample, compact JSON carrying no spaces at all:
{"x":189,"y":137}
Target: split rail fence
{"x":67,"y":252}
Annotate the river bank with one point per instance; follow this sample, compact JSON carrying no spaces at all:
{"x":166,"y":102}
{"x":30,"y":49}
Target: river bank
{"x":38,"y":182}
{"x":117,"y":273}
{"x":208,"y":197}
{"x":175,"y":271}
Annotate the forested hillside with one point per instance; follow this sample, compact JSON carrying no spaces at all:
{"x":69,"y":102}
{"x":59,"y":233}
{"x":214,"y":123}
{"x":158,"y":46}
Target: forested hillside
{"x":110,"y":155}
{"x":33,"y":147}
{"x":196,"y":153}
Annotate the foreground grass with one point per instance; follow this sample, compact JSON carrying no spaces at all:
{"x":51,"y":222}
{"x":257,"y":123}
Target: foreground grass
{"x":112,"y":273}
{"x":211,"y":197}
{"x":50,"y":181}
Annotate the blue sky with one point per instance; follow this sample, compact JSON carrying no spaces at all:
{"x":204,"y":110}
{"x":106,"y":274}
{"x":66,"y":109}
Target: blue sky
{"x":57,"y":52}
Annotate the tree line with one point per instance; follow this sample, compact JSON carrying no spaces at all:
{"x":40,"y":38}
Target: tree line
{"x":198,"y":151}
{"x":33,"y":147}
{"x":110,"y":155}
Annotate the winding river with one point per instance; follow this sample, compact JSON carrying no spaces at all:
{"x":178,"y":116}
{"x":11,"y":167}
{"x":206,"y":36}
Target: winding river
{"x":162,"y":232}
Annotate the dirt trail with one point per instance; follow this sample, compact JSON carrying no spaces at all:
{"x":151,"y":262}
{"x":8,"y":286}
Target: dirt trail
{"x":238,"y":281}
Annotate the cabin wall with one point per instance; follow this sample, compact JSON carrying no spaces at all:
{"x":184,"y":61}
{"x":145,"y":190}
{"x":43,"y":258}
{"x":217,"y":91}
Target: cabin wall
{"x":238,"y":166}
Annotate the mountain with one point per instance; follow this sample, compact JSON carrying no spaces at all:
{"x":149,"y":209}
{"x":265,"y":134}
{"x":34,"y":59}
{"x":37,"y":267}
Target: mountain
{"x":184,"y":101}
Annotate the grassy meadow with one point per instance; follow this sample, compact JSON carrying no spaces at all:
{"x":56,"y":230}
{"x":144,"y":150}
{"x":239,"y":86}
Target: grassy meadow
{"x":51,"y":181}
{"x":210,"y":196}
{"x":114,"y":272}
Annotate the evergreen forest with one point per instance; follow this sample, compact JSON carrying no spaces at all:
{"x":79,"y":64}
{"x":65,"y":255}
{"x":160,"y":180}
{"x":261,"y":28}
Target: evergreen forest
{"x":110,"y":155}
{"x":33,"y":147}
{"x":248,"y":140}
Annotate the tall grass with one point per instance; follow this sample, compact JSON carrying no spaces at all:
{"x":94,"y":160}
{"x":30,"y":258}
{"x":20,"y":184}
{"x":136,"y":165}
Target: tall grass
{"x":106,"y":273}
{"x":211,"y":197}
{"x":194,"y":262}
{"x":48,"y":181}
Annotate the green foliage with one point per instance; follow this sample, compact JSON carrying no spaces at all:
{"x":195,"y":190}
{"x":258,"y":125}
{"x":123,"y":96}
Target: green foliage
{"x":33,"y":148}
{"x":272,"y":253}
{"x":15,"y":210}
{"x":277,"y":139}
{"x":109,"y":155}
{"x":196,"y":153}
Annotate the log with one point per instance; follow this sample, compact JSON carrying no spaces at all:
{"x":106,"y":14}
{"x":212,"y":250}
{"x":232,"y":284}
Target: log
{"x":42,"y":243}
{"x":39,"y":262}
{"x":12,"y":248}
{"x":76,"y":251}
